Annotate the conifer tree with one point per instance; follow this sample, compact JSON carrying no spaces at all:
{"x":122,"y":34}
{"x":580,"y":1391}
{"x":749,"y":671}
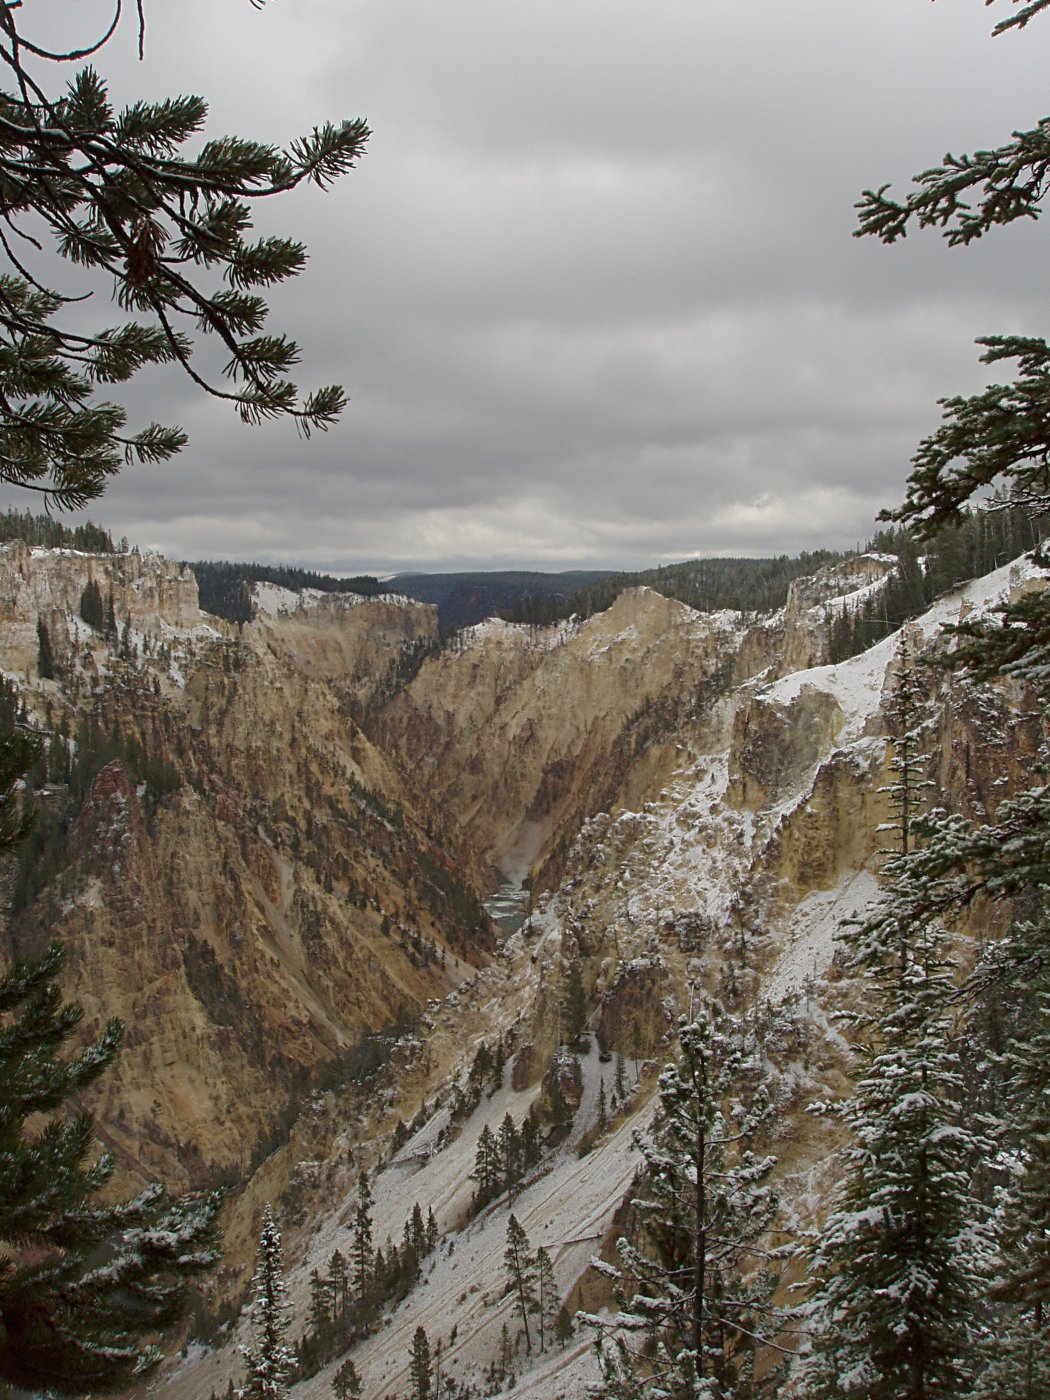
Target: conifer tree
{"x":636,"y":1046}
{"x":45,"y":660}
{"x":695,"y":1292}
{"x":409,"y":1261}
{"x":270,"y":1363}
{"x":530,"y":1138}
{"x":560,"y":1113}
{"x":321,"y":1319}
{"x":509,"y":1146}
{"x":91,"y":609}
{"x":499,"y":1066}
{"x":84,"y":1286}
{"x":419,"y":1369}
{"x":574,"y":1004}
{"x":504,"y":1366}
{"x":361,"y":1250}
{"x":380,"y":1271}
{"x":548,"y":1303}
{"x":487,"y":1167}
{"x":563,"y":1328}
{"x":997,"y":440}
{"x":339,"y":1293}
{"x":419,"y":1232}
{"x":346,"y":1383}
{"x":902,"y":1260}
{"x":620,"y":1079}
{"x":1006,"y":858}
{"x":521,"y":1274}
{"x":113,"y":194}
{"x":908,"y":785}
{"x":1016,"y":1355}
{"x":482,"y":1065}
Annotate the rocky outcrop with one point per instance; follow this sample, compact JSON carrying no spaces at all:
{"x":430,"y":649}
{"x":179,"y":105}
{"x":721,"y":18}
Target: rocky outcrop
{"x":365,"y":649}
{"x":815,"y":600}
{"x":147,"y":589}
{"x":776,"y":746}
{"x":153,"y":594}
{"x":635,"y":1013}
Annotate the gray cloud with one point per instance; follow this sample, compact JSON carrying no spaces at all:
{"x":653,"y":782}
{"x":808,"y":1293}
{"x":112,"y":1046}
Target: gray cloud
{"x":592,"y":292}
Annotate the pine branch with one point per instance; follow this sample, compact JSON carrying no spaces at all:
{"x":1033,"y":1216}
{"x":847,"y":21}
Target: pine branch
{"x":116,"y":195}
{"x":1023,"y":17}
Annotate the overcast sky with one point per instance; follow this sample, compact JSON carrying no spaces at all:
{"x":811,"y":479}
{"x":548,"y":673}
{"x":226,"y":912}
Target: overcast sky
{"x":592,"y":291}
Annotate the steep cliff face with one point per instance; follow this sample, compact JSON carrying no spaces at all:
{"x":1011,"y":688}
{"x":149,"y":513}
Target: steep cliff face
{"x":245,"y":882}
{"x":48,"y":585}
{"x":520,"y":732}
{"x":815,"y":601}
{"x":363,"y":649}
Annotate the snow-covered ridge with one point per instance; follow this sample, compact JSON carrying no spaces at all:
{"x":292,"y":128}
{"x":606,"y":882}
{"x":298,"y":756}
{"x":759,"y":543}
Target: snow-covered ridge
{"x":641,"y":600}
{"x":857,"y":684}
{"x":273,"y":600}
{"x":495,"y":629}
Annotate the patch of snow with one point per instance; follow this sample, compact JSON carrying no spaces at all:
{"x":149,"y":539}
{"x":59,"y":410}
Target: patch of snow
{"x":810,"y":935}
{"x":273,"y":600}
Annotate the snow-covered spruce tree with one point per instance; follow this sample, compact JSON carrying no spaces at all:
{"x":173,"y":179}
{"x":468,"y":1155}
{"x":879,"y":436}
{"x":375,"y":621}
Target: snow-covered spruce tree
{"x":902,"y":1261}
{"x":270,"y":1362}
{"x":906,"y":791}
{"x":85,"y":1288}
{"x":1015,"y":974}
{"x":995,"y":441}
{"x":1005,"y":859}
{"x":694,"y":1292}
{"x":362,"y":1258}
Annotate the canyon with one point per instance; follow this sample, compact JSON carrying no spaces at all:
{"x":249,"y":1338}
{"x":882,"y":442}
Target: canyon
{"x":280,"y":867}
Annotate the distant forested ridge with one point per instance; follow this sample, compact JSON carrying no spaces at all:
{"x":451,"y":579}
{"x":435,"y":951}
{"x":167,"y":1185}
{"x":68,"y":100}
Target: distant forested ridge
{"x":46,"y":532}
{"x":226,"y":588}
{"x":745,"y":585}
{"x":983,"y":540}
{"x":467,"y":598}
